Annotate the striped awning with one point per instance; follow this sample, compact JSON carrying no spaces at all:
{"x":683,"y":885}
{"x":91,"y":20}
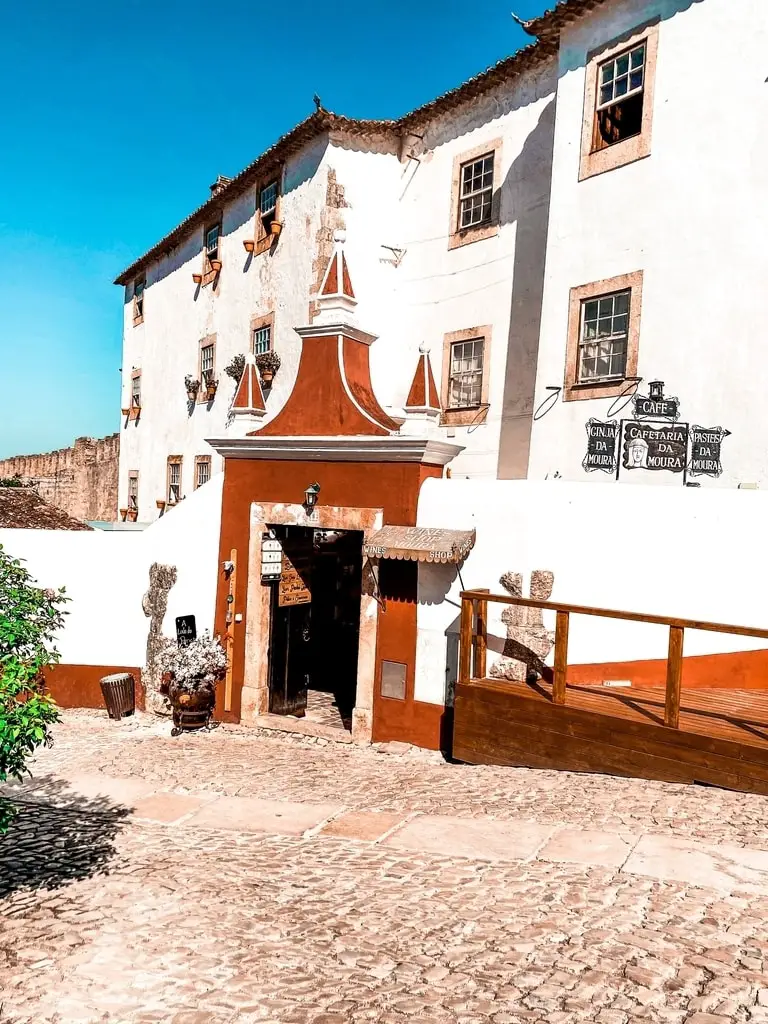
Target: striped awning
{"x":420,"y":544}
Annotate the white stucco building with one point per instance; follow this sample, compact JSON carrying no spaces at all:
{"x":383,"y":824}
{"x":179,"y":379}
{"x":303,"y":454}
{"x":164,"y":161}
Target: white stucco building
{"x":583,"y":219}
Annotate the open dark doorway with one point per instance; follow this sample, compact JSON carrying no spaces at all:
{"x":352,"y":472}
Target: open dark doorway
{"x":315,"y":625}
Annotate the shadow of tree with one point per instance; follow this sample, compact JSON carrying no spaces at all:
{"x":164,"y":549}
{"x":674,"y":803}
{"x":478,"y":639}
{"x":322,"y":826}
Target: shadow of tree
{"x":57,"y":837}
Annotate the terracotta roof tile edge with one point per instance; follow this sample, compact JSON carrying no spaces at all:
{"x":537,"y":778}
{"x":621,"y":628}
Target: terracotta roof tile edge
{"x":548,"y":25}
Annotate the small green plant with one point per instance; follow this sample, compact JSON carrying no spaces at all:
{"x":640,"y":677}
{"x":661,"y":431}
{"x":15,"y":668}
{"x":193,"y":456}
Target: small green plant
{"x":12,"y":481}
{"x":235,"y":368}
{"x":29,"y":619}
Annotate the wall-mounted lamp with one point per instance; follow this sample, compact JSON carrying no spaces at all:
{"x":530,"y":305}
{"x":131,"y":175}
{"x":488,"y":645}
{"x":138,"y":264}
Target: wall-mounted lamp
{"x":656,"y":390}
{"x":310,"y":496}
{"x":248,"y":244}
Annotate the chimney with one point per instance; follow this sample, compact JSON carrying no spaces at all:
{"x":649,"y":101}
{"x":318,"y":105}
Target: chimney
{"x":221,"y":182}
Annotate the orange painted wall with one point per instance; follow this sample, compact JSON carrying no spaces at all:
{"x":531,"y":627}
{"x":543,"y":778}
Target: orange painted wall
{"x":392,"y":486}
{"x":742,"y":670}
{"x":77,"y":686}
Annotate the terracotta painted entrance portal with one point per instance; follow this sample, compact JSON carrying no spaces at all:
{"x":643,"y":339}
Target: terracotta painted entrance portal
{"x":350,"y":618}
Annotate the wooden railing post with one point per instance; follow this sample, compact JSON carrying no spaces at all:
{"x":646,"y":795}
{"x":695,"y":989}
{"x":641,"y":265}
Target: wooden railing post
{"x":562,"y":622}
{"x":674,"y":677}
{"x":465,"y":639}
{"x":481,"y":639}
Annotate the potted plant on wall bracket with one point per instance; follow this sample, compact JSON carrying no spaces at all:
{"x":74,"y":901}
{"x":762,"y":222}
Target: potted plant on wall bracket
{"x":215,"y":265}
{"x":197,"y":278}
{"x":235,"y":368}
{"x":191,"y":672}
{"x":211,"y":384}
{"x":268,"y":364}
{"x":274,"y":229}
{"x":133,"y":514}
{"x":193,"y":386}
{"x":123,"y":513}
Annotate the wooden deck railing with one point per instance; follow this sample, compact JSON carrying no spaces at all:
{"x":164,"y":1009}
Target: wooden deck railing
{"x":473,"y":640}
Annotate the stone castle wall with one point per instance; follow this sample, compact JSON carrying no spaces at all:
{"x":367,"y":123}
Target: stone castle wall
{"x":82,"y":479}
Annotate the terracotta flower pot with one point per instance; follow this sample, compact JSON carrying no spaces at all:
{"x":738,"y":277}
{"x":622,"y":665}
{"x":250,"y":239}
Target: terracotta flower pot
{"x":197,"y":278}
{"x":123,"y":513}
{"x":133,"y":515}
{"x":192,"y":395}
{"x":267,"y":376}
{"x":215,"y":265}
{"x":275,"y":228}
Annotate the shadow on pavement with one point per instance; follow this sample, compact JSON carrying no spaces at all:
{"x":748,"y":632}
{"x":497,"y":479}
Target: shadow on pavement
{"x":57,"y":837}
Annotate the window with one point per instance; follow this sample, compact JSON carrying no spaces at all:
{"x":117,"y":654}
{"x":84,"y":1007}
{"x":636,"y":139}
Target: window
{"x":268,"y":203}
{"x":202,"y":470}
{"x":206,"y":362}
{"x":133,"y":489}
{"x":476,"y":192}
{"x":603,"y":337}
{"x":212,"y":241}
{"x":619,"y":112}
{"x":135,"y":391}
{"x":464,"y":384}
{"x":261,"y":333}
{"x":267,"y":214}
{"x":138,"y":300}
{"x":174,"y":479}
{"x":618,"y":102}
{"x":466,"y":380}
{"x":262,"y":339}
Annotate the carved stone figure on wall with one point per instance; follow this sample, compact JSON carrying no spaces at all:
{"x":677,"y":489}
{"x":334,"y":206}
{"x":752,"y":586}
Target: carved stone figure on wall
{"x":528,"y":641}
{"x":155,"y":604}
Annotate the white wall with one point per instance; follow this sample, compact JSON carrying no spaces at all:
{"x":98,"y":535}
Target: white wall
{"x":106,"y":574}
{"x":177,"y":315}
{"x":685,"y":553}
{"x":693,"y":216}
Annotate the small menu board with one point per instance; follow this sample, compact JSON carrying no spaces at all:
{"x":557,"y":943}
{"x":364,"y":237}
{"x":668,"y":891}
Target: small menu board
{"x":186,"y":630}
{"x":271,"y":558}
{"x":293,"y":588}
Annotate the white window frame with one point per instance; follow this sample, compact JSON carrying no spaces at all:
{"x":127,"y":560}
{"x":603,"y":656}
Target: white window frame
{"x":133,"y":490}
{"x":264,"y":329}
{"x":610,"y":339}
{"x":212,"y":251}
{"x":615,"y":100}
{"x":174,"y":469}
{"x":468,"y":196}
{"x":461,"y":375}
{"x":136,"y":391}
{"x":198,"y":465}
{"x":204,"y":349}
{"x":267,"y":211}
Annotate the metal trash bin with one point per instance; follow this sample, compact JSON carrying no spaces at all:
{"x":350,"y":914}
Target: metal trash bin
{"x":119,"y":692}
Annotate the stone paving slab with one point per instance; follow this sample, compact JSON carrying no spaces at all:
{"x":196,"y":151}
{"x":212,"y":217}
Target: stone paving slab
{"x":729,"y":868}
{"x":585,"y":846}
{"x":169,"y":808}
{"x":95,"y":788}
{"x":249,"y":814}
{"x":484,"y":839}
{"x":365,"y":826}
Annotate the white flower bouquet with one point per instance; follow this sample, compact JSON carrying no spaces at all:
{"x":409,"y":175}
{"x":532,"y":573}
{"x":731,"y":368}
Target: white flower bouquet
{"x":199,"y":663}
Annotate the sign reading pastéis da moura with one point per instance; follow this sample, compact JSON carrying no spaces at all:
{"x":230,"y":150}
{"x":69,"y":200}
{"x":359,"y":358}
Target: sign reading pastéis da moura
{"x":705,"y":451}
{"x":601,"y":446}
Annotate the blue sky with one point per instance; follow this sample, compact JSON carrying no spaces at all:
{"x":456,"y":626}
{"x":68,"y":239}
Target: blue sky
{"x":118,"y":115}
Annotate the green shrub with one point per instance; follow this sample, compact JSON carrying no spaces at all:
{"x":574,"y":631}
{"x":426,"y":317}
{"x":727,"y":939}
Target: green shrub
{"x":29,"y":618}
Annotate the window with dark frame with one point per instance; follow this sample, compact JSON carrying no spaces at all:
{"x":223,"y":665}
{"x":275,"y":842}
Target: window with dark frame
{"x":465,"y":385}
{"x":133,"y":490}
{"x":476,"y":192}
{"x":202,"y":471}
{"x":603,"y":337}
{"x":174,"y":481}
{"x":136,"y":391}
{"x":138,"y":298}
{"x":620,"y":93}
{"x":262,"y":339}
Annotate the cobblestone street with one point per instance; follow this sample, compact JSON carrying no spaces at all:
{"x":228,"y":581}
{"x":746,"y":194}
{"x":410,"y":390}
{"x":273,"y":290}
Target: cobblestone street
{"x":240,"y":876}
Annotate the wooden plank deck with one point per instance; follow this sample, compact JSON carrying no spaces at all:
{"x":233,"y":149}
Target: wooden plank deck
{"x":722,"y":739}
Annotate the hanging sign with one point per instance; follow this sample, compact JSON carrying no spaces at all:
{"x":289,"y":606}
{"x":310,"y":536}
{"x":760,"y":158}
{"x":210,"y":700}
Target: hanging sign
{"x":186,"y":630}
{"x":601,"y":446}
{"x":271,"y":558}
{"x":648,"y":407}
{"x":655,"y":446}
{"x":294,"y":581}
{"x":705,"y":451}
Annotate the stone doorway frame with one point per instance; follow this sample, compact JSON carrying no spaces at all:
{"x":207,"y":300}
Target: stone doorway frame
{"x":255,"y":694}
